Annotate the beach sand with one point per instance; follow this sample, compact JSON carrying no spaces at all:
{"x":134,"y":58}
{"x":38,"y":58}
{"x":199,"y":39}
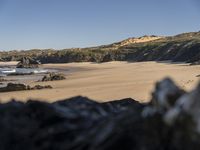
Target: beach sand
{"x":109,"y":81}
{"x":11,"y":63}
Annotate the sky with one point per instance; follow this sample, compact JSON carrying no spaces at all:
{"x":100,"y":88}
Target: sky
{"x":58,"y":24}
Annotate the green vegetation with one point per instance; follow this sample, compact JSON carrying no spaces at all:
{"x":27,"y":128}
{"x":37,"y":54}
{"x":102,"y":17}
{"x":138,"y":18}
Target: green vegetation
{"x":183,"y":47}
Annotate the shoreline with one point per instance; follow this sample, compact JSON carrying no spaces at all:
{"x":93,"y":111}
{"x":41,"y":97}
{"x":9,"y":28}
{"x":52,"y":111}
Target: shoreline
{"x":99,"y":81}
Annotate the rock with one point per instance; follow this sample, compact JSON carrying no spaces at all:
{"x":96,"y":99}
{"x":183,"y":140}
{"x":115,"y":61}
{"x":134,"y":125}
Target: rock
{"x":39,"y":87}
{"x":13,"y":87}
{"x":21,"y":87}
{"x":27,"y":62}
{"x":75,"y":123}
{"x":53,"y":77}
{"x":166,"y":93}
{"x":20,"y":74}
{"x":188,"y":104}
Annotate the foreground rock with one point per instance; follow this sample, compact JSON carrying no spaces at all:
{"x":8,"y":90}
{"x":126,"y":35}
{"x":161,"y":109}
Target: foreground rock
{"x":169,"y":122}
{"x":53,"y":77}
{"x":21,"y":87}
{"x":27,"y":62}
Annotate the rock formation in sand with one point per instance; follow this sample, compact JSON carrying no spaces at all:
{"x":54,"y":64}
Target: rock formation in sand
{"x":22,"y":87}
{"x":27,"y":62}
{"x":53,"y":77}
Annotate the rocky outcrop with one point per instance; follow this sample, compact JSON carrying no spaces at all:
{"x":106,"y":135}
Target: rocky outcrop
{"x":13,"y":87}
{"x":53,"y":77}
{"x":22,"y":87}
{"x":27,"y":62}
{"x":169,"y":122}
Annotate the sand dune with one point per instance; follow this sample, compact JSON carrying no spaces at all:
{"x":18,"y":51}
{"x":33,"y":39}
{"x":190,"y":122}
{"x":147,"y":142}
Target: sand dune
{"x":108,"y":81}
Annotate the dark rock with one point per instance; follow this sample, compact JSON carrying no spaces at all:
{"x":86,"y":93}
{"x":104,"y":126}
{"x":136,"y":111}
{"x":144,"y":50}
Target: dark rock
{"x":188,"y":104}
{"x":19,"y":74}
{"x":39,"y":87}
{"x":166,"y":93}
{"x":53,"y":77}
{"x":13,"y":87}
{"x":21,"y":87}
{"x":27,"y":62}
{"x":77,"y":123}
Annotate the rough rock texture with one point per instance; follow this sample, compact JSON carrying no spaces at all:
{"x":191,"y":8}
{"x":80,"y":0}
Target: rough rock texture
{"x":82,"y":124}
{"x":53,"y":77}
{"x":165,"y":95}
{"x":21,"y":87}
{"x":13,"y":87}
{"x":27,"y":62}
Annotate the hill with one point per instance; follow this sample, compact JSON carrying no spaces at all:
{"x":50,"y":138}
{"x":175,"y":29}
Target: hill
{"x":180,"y":48}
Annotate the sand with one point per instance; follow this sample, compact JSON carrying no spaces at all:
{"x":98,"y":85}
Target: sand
{"x":110,"y":81}
{"x":11,"y":63}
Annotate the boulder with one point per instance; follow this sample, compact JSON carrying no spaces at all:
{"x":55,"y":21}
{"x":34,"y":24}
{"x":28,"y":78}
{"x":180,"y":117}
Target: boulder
{"x":166,"y":94}
{"x":27,"y":62}
{"x":53,"y":77}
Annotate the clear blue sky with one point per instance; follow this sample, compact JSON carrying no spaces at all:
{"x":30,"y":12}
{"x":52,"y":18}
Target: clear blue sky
{"x":27,"y":24}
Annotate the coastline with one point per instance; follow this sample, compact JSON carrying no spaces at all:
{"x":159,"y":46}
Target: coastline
{"x":108,"y":81}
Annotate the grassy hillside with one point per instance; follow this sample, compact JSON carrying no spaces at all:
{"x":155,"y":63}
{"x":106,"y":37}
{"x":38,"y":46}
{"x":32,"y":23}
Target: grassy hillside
{"x":183,"y":47}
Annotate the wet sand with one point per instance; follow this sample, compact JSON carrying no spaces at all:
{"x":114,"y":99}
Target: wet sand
{"x":109,"y":81}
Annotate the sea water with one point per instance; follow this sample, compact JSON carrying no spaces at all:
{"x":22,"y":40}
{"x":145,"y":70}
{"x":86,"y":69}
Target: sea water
{"x":6,"y":71}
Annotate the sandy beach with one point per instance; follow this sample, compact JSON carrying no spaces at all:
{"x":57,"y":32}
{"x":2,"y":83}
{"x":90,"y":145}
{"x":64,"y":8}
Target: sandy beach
{"x":109,"y":81}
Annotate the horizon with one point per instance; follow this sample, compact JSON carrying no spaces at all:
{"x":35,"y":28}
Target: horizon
{"x":58,"y":25}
